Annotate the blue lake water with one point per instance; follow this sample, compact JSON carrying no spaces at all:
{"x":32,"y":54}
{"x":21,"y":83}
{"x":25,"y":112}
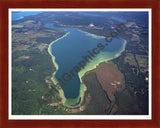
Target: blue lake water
{"x":19,"y":15}
{"x":69,"y":50}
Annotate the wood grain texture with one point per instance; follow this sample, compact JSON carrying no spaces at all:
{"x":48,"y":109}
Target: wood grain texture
{"x":6,"y":4}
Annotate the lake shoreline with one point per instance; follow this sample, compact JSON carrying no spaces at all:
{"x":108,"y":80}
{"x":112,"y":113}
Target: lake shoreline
{"x":91,"y":34}
{"x":54,"y":80}
{"x":60,"y":90}
{"x":83,"y":88}
{"x":81,"y":74}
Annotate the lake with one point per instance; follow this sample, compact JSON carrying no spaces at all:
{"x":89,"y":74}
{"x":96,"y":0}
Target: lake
{"x":68,"y":52}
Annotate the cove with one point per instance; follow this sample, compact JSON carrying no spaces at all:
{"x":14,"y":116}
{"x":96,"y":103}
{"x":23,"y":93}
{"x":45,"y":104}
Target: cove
{"x":68,"y":51}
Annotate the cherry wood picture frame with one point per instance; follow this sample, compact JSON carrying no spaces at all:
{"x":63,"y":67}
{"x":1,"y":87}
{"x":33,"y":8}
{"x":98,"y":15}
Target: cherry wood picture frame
{"x":4,"y":61}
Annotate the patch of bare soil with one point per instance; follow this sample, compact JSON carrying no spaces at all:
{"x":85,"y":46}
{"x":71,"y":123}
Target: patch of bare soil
{"x":22,"y":57}
{"x":42,"y":46}
{"x":20,"y":47}
{"x":110,"y":79}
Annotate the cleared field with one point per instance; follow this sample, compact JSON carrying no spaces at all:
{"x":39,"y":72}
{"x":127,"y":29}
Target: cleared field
{"x":143,"y":62}
{"x":17,"y":26}
{"x":130,"y":59}
{"x":20,"y":47}
{"x":110,"y":79}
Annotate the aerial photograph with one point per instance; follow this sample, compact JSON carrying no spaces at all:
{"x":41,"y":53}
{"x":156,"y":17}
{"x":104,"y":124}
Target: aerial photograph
{"x":79,"y":62}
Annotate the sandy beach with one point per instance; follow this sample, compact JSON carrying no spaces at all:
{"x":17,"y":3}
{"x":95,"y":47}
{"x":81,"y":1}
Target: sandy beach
{"x":92,"y":35}
{"x":56,"y":65}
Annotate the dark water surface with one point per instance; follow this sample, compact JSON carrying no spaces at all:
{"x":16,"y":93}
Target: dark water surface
{"x":69,"y":50}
